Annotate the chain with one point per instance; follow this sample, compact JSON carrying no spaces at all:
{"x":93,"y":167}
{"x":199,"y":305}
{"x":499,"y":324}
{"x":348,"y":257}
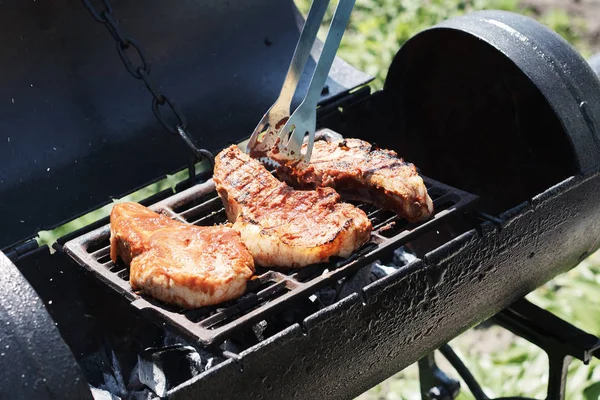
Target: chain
{"x":127,"y":47}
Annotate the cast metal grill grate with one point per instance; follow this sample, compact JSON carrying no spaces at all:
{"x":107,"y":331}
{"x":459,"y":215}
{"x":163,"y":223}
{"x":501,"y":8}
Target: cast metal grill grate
{"x":271,"y":290}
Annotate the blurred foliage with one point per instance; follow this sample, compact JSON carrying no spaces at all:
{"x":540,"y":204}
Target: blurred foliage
{"x":378,"y":28}
{"x":570,"y":28}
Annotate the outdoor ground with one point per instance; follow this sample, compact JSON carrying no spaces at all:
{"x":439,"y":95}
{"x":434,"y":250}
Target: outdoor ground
{"x":503,"y":364}
{"x":585,"y":11}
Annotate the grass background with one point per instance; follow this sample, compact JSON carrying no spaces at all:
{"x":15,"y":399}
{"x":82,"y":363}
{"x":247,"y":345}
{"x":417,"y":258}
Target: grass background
{"x":504,"y":365}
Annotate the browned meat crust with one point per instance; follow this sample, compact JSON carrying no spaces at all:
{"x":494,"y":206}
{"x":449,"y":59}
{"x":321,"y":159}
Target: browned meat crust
{"x":359,"y":171}
{"x":282,"y":226}
{"x":178,"y":263}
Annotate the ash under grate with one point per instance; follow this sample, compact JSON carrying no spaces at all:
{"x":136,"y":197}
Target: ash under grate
{"x":150,"y":374}
{"x":272,"y":290}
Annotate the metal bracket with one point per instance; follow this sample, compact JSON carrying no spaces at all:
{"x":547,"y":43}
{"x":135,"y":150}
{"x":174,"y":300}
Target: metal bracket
{"x":435,"y":384}
{"x":14,"y":252}
{"x":558,"y":338}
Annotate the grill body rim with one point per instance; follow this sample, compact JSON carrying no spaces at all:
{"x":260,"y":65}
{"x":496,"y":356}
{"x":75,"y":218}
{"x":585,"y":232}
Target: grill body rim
{"x":350,"y":346}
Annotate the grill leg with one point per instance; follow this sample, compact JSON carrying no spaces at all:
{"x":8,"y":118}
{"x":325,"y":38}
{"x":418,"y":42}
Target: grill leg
{"x":557,"y":379}
{"x":559,"y":339}
{"x":435,"y":384}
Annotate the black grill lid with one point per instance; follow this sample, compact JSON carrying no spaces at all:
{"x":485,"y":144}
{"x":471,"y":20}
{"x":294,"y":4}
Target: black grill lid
{"x":76,"y":128}
{"x":494,"y":100}
{"x":554,"y":68}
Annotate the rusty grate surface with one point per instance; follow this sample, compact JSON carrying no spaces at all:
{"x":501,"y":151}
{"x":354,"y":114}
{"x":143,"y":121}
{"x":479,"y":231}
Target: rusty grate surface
{"x":272,"y":290}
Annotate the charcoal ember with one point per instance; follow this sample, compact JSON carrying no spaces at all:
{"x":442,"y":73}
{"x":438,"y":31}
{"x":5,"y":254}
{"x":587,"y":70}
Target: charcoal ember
{"x":145,"y":394}
{"x":244,"y":338}
{"x":379,"y":270}
{"x":297,"y":314}
{"x":403,"y":256}
{"x":363,"y":277}
{"x":164,"y":368}
{"x":112,"y":375}
{"x":102,"y":394}
{"x":208,"y":359}
{"x":284,"y":319}
{"x":135,"y":384}
{"x":171,"y":339}
{"x":211,"y":362}
{"x":355,"y":283}
{"x":231,"y":346}
{"x":325,"y":296}
{"x":105,"y":370}
{"x":259,"y":329}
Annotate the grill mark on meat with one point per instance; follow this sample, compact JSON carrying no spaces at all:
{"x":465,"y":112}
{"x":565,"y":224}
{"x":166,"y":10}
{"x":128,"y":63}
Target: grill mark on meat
{"x":282,"y":226}
{"x":179,"y":263}
{"x":361,"y":171}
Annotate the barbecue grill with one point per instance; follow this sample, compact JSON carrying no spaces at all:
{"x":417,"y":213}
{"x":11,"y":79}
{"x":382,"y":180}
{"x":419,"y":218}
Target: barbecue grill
{"x":499,"y":113}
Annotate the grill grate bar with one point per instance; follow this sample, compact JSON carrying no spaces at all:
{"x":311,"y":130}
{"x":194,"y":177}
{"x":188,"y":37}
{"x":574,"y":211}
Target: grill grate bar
{"x":204,"y":209}
{"x":104,"y":251}
{"x":271,"y":290}
{"x":170,"y":213}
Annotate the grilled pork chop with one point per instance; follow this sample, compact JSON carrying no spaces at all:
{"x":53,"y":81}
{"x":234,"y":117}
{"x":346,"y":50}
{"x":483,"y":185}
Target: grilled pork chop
{"x":282,"y":226}
{"x":360,"y":171}
{"x":179,"y":263}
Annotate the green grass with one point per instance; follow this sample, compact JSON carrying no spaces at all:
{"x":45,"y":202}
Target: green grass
{"x":378,"y":28}
{"x":49,"y":237}
{"x":504,"y":365}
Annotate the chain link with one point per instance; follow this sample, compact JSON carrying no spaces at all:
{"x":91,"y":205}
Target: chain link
{"x":158,"y":96}
{"x":99,"y":16}
{"x":127,"y":48}
{"x":199,"y":153}
{"x":113,"y":29}
{"x":181,"y":122}
{"x":135,"y":72}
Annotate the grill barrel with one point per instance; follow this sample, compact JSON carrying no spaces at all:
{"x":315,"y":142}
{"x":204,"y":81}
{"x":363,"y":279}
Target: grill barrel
{"x":536,"y":173}
{"x":349,"y":347}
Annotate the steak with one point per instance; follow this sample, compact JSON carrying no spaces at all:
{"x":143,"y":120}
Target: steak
{"x":362,"y":172}
{"x":187,"y":265}
{"x":282,"y":226}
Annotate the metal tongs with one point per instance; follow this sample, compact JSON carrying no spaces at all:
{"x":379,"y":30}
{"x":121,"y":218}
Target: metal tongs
{"x":277,"y":127}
